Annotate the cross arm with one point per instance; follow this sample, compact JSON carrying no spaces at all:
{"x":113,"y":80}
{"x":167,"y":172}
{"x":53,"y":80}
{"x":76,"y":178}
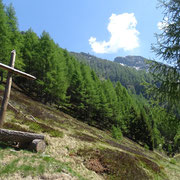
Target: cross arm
{"x":16,"y":71}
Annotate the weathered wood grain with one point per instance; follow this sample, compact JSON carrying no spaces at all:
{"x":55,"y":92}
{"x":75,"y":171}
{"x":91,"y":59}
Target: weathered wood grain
{"x":16,"y":71}
{"x":37,"y":145}
{"x":18,"y":136}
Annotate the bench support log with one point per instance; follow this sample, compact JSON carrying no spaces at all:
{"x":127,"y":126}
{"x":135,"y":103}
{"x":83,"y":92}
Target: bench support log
{"x":32,"y":141}
{"x":37,"y":145}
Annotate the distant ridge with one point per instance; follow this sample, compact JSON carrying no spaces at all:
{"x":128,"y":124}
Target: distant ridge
{"x":129,"y":74}
{"x":137,"y":62}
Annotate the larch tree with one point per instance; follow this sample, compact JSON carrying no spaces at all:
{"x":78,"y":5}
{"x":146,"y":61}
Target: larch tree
{"x":168,"y":49}
{"x":4,"y":36}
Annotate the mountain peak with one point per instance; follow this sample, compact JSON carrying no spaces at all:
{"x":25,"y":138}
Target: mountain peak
{"x":137,"y":62}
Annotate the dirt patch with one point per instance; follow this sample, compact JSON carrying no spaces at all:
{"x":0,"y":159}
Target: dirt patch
{"x":113,"y":164}
{"x":95,"y":165}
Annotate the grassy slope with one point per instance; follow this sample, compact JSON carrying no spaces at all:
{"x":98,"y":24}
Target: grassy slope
{"x":76,"y":150}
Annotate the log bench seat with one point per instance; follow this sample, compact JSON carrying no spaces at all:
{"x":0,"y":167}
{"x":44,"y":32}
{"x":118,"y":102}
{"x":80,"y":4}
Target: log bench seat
{"x":25,"y":140}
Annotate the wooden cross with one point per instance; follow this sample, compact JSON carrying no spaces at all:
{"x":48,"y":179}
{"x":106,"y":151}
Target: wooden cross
{"x":7,"y":91}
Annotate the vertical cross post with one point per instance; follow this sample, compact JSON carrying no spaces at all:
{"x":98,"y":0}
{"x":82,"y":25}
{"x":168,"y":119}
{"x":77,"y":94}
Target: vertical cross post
{"x":7,"y":89}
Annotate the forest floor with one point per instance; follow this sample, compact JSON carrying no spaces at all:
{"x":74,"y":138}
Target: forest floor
{"x":76,"y":150}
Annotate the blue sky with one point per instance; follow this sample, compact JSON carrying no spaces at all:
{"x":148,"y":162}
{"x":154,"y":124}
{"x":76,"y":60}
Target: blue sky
{"x":104,"y":28}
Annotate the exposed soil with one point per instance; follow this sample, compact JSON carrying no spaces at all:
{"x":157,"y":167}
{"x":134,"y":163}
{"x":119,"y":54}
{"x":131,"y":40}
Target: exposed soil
{"x":114,"y":164}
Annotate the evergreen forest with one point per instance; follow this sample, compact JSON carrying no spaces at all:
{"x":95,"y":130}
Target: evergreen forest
{"x":113,"y":99}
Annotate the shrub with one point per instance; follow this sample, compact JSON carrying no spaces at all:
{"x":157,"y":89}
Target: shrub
{"x":116,"y":133}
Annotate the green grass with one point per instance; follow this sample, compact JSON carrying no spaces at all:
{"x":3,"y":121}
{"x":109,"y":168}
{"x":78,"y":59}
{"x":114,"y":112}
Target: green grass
{"x":31,"y":164}
{"x":9,"y":168}
{"x":39,"y":127}
{"x":2,"y":87}
{"x":36,"y":127}
{"x":173,"y":161}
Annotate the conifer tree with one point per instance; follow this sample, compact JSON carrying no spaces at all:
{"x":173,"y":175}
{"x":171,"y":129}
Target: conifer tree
{"x":29,"y":52}
{"x":168,"y":49}
{"x":91,"y":99}
{"x":104,"y":112}
{"x":76,"y":92}
{"x":121,"y":105}
{"x":14,"y":35}
{"x":5,"y":48}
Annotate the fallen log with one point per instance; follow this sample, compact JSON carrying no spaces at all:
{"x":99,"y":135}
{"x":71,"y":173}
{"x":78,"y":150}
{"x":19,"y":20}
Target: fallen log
{"x":37,"y":145}
{"x":24,"y":139}
{"x":18,"y":136}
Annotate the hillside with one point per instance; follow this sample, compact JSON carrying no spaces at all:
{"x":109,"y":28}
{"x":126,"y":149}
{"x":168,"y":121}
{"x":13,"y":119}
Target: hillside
{"x":119,"y":70}
{"x":110,"y":106}
{"x":76,"y":150}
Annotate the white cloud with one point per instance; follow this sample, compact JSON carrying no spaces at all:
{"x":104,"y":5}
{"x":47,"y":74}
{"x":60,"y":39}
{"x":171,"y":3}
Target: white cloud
{"x":164,"y":24}
{"x":124,"y":35}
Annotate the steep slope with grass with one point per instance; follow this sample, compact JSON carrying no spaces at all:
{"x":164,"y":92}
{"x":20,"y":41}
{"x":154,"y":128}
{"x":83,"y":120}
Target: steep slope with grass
{"x":74,"y":149}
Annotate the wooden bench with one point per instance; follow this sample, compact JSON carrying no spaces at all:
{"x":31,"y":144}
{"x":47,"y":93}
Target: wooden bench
{"x":25,"y":140}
